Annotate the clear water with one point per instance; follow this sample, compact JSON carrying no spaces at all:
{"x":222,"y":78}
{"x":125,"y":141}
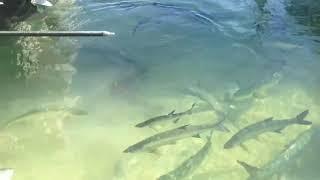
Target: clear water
{"x":159,"y":52}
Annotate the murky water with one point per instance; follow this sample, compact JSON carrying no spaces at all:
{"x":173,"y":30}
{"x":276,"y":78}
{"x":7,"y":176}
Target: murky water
{"x":253,"y":63}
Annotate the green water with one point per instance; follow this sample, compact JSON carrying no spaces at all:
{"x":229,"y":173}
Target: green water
{"x":159,"y":52}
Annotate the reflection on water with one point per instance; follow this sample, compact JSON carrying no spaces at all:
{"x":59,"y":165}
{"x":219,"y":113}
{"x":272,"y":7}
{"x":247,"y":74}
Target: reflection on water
{"x":69,"y":106}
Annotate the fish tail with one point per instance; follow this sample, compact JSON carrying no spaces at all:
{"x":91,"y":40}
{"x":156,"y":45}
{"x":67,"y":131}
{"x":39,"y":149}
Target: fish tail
{"x":210,"y":135}
{"x":300,"y":118}
{"x":221,"y":127}
{"x":251,"y":170}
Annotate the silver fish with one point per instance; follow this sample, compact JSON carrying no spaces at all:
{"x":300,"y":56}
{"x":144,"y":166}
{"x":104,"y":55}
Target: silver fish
{"x":72,"y":110}
{"x":208,"y":98}
{"x":291,"y":153}
{"x":190,"y":165}
{"x":168,"y":137}
{"x":268,"y":125}
{"x":170,"y":116}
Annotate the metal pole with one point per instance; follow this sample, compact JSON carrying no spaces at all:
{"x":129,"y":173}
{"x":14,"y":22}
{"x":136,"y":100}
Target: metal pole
{"x":56,"y":33}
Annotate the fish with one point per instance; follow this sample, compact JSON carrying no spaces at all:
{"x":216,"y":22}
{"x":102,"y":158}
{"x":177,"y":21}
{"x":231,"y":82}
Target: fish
{"x":190,"y":165}
{"x":171,"y":115}
{"x":284,"y":45}
{"x":140,"y":24}
{"x":243,"y":94}
{"x":151,"y":143}
{"x":267,"y":125}
{"x":6,"y":174}
{"x":257,"y":90}
{"x":208,"y":98}
{"x":260,"y":91}
{"x":291,"y":152}
{"x":72,"y":110}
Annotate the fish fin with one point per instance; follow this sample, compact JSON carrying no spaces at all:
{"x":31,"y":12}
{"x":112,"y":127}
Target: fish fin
{"x":300,"y":118}
{"x":209,"y":136}
{"x":244,"y":147}
{"x":222,"y":127}
{"x":304,"y":122}
{"x":278,"y":131}
{"x":172,"y":112}
{"x":251,"y":170}
{"x":193,"y":105}
{"x":257,"y":139}
{"x":302,"y":115}
{"x":154,"y":151}
{"x":268,"y":119}
{"x":286,"y":146}
{"x":176,"y":120}
{"x":183,"y":127}
{"x":196,"y":136}
{"x":189,"y":111}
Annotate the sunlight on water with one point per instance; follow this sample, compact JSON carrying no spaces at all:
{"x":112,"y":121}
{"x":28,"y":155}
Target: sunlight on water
{"x":69,"y":106}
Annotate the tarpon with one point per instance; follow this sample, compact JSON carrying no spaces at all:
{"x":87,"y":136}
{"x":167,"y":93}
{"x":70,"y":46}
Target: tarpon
{"x":6,"y":174}
{"x":268,"y":125}
{"x":258,"y":90}
{"x":168,"y":137}
{"x":284,"y":45}
{"x":72,"y":110}
{"x":279,"y":164}
{"x":170,"y":116}
{"x":209,"y":99}
{"x":190,"y":165}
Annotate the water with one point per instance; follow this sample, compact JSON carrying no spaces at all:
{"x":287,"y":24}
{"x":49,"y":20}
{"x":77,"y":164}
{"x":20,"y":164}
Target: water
{"x":161,"y":49}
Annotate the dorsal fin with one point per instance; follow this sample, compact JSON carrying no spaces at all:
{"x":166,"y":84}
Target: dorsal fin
{"x":196,"y":136}
{"x":278,"y":131}
{"x":172,"y":112}
{"x":183,"y":127}
{"x":192,"y":106}
{"x":251,"y":170}
{"x":286,"y":146}
{"x":268,"y":119}
{"x":176,"y":120}
{"x":302,"y":115}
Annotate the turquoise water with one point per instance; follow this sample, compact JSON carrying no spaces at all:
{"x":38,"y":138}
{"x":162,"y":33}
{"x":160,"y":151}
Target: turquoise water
{"x":161,"y":52}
